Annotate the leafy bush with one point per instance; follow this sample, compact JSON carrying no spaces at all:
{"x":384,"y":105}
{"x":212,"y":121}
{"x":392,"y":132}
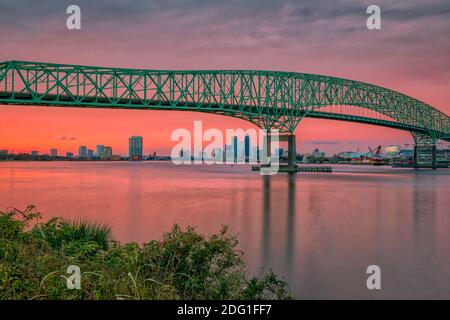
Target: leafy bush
{"x":58,"y":232}
{"x":182,"y":265}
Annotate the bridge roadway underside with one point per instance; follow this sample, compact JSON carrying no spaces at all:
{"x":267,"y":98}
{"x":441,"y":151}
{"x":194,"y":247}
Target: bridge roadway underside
{"x":237,"y":111}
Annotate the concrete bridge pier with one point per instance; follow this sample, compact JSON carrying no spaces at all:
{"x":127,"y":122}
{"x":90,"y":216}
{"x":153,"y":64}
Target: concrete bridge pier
{"x":425,"y":156}
{"x":424,"y":152}
{"x":291,"y":165}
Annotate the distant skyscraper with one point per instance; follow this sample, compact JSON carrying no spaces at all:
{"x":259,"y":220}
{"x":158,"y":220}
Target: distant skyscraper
{"x":255,"y":154}
{"x":135,"y":148}
{"x":100,"y":151}
{"x":218,"y":154}
{"x":279,"y":152}
{"x":317,"y":154}
{"x":235,"y":148}
{"x":53,"y":152}
{"x":247,"y":147}
{"x":240,"y":151}
{"x":69,"y":155}
{"x":107,"y":153}
{"x":185,"y":155}
{"x":34,"y":153}
{"x":82,"y":152}
{"x":90,"y":153}
{"x":228,"y":153}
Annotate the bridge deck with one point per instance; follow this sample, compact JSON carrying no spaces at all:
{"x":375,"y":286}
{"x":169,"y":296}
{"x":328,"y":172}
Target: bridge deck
{"x":269,"y":99}
{"x":96,"y":102}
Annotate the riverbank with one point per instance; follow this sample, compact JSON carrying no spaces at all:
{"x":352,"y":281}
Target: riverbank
{"x":63,"y":259}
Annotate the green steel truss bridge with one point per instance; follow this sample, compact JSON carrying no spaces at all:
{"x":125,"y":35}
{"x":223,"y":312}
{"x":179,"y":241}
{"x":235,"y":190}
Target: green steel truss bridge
{"x":269,"y":99}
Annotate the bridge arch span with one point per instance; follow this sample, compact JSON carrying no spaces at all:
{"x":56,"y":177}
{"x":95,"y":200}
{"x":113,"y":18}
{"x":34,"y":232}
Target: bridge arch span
{"x":269,"y":99}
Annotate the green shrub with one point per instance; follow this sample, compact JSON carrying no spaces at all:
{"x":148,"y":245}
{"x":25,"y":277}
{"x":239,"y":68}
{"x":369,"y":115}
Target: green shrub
{"x":182,"y":265}
{"x":57,"y":232}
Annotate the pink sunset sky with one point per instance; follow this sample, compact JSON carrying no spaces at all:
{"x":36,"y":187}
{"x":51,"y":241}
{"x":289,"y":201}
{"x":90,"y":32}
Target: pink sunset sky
{"x":410,"y":54}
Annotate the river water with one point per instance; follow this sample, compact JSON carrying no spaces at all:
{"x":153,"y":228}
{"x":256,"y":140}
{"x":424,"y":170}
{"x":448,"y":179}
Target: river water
{"x":318,"y":230}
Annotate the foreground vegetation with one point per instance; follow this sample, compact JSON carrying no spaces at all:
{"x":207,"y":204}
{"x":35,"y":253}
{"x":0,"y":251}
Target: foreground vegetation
{"x":182,"y":265}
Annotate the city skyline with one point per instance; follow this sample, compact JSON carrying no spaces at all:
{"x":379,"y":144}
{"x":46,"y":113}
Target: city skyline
{"x":247,"y":148}
{"x":306,"y":48}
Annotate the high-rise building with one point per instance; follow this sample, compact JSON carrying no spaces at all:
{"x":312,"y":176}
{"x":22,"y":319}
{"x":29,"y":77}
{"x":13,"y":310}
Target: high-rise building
{"x":279,"y":152}
{"x":235,"y":148}
{"x":135,"y":148}
{"x":69,"y":155}
{"x":240,"y":152}
{"x":317,"y":154}
{"x":100,"y":151}
{"x":82,"y":152}
{"x":218,"y":154}
{"x":90,"y":153}
{"x":107,"y":152}
{"x":185,"y":155}
{"x":53,"y":152}
{"x":247,"y":147}
{"x":255,"y":154}
{"x":228,"y":153}
{"x":34,"y":153}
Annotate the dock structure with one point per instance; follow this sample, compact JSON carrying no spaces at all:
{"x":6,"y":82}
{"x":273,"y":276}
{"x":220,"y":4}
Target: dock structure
{"x":321,"y":169}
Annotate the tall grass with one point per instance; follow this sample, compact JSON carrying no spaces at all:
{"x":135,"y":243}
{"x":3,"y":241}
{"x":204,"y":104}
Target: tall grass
{"x":58,"y":232}
{"x":84,"y":230}
{"x":183,"y":264}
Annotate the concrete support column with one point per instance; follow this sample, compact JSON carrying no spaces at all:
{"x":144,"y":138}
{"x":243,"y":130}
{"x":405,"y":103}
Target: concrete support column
{"x":428,"y":150}
{"x":291,"y":165}
{"x":433,"y":157}
{"x":415,"y":157}
{"x":292,"y":152}
{"x":268,"y":145}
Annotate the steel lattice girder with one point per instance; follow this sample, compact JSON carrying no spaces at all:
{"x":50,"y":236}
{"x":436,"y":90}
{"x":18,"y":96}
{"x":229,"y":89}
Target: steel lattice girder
{"x":270,"y":99}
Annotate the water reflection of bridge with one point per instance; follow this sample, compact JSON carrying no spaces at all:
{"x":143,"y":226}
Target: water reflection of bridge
{"x":268,"y":219}
{"x":303,"y":239}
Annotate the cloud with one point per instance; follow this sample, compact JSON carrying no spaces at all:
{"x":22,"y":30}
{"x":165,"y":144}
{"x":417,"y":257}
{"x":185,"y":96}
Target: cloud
{"x":67,"y":138}
{"x":250,"y":18}
{"x":322,"y":142}
{"x":323,"y":35}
